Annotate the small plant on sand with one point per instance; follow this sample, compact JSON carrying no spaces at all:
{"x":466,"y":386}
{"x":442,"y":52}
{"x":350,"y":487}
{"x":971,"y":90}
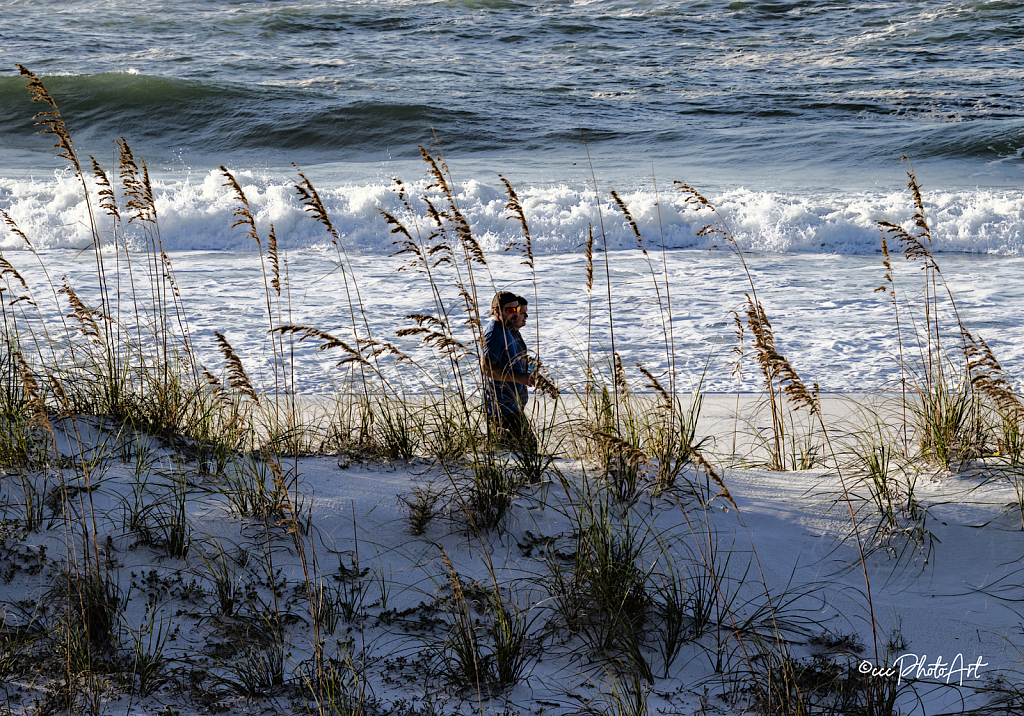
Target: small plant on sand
{"x":148,"y":654}
{"x":600,"y":592}
{"x":820,"y":685}
{"x":626,"y":695}
{"x":421,"y":506}
{"x":87,"y":631}
{"x":397,"y":428}
{"x":337,"y":686}
{"x":258,"y":672}
{"x":448,"y":431}
{"x":488,"y":657}
{"x":954,"y":389}
{"x":485,"y":491}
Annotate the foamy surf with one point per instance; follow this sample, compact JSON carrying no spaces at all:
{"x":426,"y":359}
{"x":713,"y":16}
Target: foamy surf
{"x":195,"y":213}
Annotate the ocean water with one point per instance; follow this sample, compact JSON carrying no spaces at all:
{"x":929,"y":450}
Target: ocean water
{"x":791,"y":117}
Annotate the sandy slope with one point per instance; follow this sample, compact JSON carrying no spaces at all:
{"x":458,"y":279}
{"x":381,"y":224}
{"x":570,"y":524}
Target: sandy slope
{"x":957,"y":597}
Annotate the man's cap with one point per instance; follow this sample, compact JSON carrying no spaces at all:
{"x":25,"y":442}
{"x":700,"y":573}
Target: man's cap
{"x":523,"y":301}
{"x":501,"y":298}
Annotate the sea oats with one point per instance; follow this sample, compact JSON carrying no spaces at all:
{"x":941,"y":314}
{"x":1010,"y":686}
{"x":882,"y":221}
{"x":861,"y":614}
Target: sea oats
{"x":620,"y":376}
{"x":237,"y":377}
{"x":629,"y":219}
{"x":313,"y":204}
{"x":137,"y":186}
{"x":666,"y":401}
{"x":513,"y":205}
{"x":243,"y":214}
{"x":81,"y":313}
{"x":51,"y":119}
{"x":275,"y":268}
{"x":34,"y":397}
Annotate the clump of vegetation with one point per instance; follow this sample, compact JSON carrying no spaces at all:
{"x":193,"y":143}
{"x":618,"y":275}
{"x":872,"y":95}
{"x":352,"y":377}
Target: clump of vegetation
{"x":153,"y":517}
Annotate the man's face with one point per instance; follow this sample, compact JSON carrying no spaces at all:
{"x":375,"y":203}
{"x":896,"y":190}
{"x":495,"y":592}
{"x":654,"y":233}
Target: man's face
{"x":509,"y":318}
{"x":521,"y":316}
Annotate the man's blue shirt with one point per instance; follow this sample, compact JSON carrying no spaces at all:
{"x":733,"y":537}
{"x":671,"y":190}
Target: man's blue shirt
{"x":506,"y":351}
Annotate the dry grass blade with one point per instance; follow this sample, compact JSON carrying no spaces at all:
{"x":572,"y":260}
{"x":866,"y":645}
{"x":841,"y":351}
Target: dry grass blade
{"x":693,"y":196}
{"x":81,"y":313}
{"x":434,"y":213}
{"x":421,"y":318}
{"x":219,"y":394}
{"x":373,"y":347}
{"x":797,"y":393}
{"x":474,"y":253}
{"x":108,"y":201}
{"x":434,"y":171}
{"x":699,"y":202}
{"x":545,"y":385}
{"x":623,"y":448}
{"x":442,"y":341}
{"x":774,"y":365}
{"x":443,"y":249}
{"x":379,"y":348}
{"x":65,"y":408}
{"x":629,"y":218}
{"x":407,"y":245}
{"x":169,"y":274}
{"x":590,"y":257}
{"x":666,"y":401}
{"x":620,"y":376}
{"x":288,"y":520}
{"x":6,"y":269}
{"x":13,"y":226}
{"x":33,"y":396}
{"x":453,"y":577}
{"x":917,"y":246}
{"x":137,"y":186}
{"x":989,"y":378}
{"x":400,"y":190}
{"x":542,"y":380}
{"x":313,"y":204}
{"x":327,"y":340}
{"x":912,"y":246}
{"x":887,"y":263}
{"x":399,"y":228}
{"x":440,"y":338}
{"x":740,"y":333}
{"x":243,"y":214}
{"x":704,"y":465}
{"x":919,"y":216}
{"x":514,"y":205}
{"x":52,"y":118}
{"x":237,"y":377}
{"x":275,"y":268}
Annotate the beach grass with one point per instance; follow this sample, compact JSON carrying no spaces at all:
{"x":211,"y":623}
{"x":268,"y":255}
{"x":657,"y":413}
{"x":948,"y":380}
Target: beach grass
{"x":626,"y":557}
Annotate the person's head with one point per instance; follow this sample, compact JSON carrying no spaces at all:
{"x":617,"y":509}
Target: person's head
{"x":505,"y":308}
{"x":523,"y":313}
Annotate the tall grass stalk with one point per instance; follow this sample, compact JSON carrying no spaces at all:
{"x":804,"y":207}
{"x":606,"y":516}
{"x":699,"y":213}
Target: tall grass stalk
{"x":608,"y":282}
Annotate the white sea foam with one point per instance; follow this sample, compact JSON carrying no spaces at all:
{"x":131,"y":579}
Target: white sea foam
{"x":196,"y":213}
{"x":828,"y":319}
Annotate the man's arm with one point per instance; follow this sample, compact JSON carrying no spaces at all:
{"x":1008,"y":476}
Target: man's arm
{"x":505,"y":375}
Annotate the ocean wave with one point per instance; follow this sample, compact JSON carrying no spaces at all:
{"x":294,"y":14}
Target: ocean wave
{"x":197,"y":212}
{"x":162,"y":115}
{"x":366,"y":116}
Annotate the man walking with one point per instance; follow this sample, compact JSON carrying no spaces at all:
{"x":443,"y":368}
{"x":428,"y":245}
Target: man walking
{"x":506,"y":371}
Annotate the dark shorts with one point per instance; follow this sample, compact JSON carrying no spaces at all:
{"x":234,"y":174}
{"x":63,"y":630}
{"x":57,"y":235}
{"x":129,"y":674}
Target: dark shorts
{"x":514,"y":431}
